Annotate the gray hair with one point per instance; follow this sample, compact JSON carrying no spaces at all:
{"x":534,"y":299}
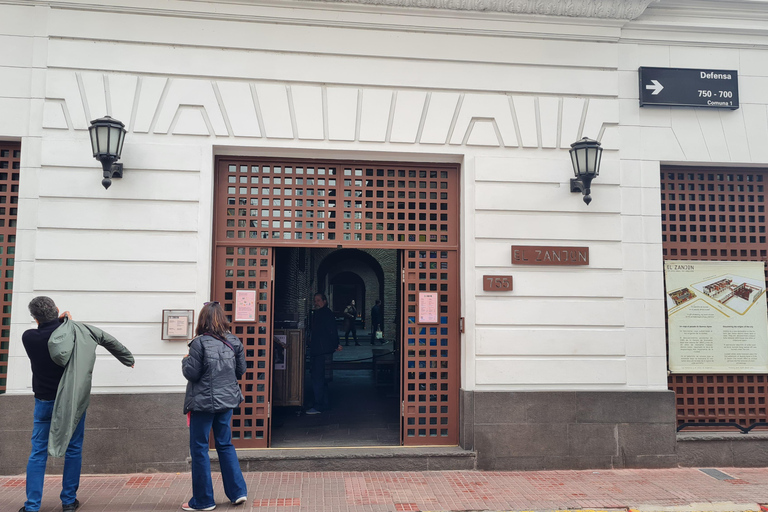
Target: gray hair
{"x":43,"y":309}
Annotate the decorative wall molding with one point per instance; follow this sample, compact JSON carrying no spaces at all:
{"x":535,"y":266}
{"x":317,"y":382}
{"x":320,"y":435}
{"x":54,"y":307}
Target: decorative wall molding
{"x":607,"y":9}
{"x":322,"y":112}
{"x":349,"y":114}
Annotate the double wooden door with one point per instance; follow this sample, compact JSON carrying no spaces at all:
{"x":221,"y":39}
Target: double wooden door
{"x":263,"y":204}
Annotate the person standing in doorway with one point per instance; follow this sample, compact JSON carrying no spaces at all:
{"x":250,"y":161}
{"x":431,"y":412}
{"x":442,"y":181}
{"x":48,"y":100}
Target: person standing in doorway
{"x":350,"y":315}
{"x":323,"y":341}
{"x":215,"y":362}
{"x":62,"y":354}
{"x":377,"y":323}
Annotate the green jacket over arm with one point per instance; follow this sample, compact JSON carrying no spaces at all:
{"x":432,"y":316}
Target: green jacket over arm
{"x":73,"y":346}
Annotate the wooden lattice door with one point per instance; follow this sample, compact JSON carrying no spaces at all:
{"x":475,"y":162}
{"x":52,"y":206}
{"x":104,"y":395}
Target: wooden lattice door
{"x":246,"y":276}
{"x":430,"y":352}
{"x":264,"y":203}
{"x":10,"y":163}
{"x":243,"y":278}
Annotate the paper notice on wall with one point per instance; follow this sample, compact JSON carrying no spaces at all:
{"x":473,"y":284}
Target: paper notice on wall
{"x":427,"y":308}
{"x":278,"y":354}
{"x":245,"y":306}
{"x":177,"y":325}
{"x":716,"y":314}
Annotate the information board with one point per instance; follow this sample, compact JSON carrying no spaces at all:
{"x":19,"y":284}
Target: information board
{"x":178,"y":324}
{"x":716,"y":314}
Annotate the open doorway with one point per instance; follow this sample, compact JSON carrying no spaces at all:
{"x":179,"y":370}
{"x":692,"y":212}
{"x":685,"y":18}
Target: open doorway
{"x":363,"y":383}
{"x":305,"y":210}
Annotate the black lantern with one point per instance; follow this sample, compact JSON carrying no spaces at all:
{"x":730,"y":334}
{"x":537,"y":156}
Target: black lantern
{"x":585,"y":157}
{"x":107,"y":136}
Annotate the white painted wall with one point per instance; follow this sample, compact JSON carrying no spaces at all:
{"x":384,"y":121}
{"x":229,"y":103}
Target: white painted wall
{"x":504,"y":94}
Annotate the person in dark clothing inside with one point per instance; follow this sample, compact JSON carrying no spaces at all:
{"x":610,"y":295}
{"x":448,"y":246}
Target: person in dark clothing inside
{"x":323,"y":340}
{"x":377,"y":322}
{"x":350,"y":315}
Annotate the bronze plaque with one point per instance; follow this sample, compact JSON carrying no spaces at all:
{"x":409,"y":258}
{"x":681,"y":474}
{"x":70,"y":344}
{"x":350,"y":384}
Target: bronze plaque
{"x":497,"y":283}
{"x":545,"y":255}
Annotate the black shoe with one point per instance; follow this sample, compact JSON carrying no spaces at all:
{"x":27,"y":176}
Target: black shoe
{"x":24,"y":509}
{"x":71,"y":507}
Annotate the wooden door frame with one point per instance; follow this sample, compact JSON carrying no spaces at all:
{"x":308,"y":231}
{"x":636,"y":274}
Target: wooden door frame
{"x":413,"y":206}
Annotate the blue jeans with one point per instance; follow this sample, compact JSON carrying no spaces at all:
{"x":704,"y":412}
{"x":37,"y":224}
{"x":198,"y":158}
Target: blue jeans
{"x":202,"y":487}
{"x":317,"y":373}
{"x":38,"y":458}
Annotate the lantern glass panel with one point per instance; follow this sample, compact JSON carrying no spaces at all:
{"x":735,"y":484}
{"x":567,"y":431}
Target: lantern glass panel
{"x":114,"y":140}
{"x":121,"y":135}
{"x":591,"y":154}
{"x":598,"y":157}
{"x":581,"y":161}
{"x":102,"y":138}
{"x":94,"y":142}
{"x":574,"y":163}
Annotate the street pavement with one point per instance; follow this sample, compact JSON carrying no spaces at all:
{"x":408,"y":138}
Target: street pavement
{"x":684,"y":489}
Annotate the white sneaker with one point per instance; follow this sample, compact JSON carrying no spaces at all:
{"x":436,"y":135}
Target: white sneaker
{"x":313,"y":411}
{"x":240,"y":500}
{"x":185,"y":506}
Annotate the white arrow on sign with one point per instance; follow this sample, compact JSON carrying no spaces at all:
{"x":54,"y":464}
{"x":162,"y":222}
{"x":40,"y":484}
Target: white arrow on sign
{"x":656,"y":87}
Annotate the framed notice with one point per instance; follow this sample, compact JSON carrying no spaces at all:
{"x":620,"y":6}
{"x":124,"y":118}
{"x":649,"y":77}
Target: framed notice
{"x":716,"y":314}
{"x":245,"y":306}
{"x":178,"y":324}
{"x":280,"y":346}
{"x":427,"y":308}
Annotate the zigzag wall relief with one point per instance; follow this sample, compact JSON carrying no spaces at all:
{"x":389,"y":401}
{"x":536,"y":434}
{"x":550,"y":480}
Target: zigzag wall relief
{"x":198,"y":107}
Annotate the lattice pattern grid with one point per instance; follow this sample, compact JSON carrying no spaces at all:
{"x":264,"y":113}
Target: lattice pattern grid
{"x":716,"y":215}
{"x":371,"y":205}
{"x":431,"y":350}
{"x":249,"y":269}
{"x":10,"y":164}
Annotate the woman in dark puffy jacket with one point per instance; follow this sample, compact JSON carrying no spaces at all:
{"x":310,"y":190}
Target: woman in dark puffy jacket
{"x":215,"y":362}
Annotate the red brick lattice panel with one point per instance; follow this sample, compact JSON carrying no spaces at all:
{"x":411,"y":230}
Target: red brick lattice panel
{"x":10,"y":164}
{"x":430,"y":349}
{"x":720,"y":398}
{"x":250,"y":269}
{"x":715,"y":215}
{"x":279,"y":202}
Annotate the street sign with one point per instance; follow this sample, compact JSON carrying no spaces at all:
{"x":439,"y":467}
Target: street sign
{"x":680,"y":87}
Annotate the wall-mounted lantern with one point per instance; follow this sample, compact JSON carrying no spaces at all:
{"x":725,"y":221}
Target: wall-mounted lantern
{"x":585,"y":157}
{"x":107,"y":136}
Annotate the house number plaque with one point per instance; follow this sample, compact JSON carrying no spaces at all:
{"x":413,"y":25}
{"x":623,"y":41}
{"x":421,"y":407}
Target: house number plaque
{"x":497,"y":283}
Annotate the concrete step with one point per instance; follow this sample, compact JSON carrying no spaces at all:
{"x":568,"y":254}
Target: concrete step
{"x":390,"y":458}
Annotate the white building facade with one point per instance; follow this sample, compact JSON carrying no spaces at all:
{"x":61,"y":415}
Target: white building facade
{"x":566,"y":370}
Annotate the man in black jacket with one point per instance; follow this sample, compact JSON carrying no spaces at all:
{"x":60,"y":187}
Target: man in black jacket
{"x":323,"y":340}
{"x":45,"y":383}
